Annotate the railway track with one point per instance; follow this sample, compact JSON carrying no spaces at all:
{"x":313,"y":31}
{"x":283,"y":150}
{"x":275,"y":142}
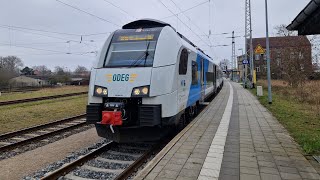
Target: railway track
{"x":4,"y":103}
{"x":110,"y":161}
{"x":22,"y":137}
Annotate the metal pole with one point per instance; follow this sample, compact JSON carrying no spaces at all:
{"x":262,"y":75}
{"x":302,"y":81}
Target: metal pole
{"x":248,"y":37}
{"x":251,"y":50}
{"x":233,"y":55}
{"x":268,"y":56}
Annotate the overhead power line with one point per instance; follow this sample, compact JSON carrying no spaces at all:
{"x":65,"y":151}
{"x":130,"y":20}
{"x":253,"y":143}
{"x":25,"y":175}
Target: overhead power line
{"x":183,"y":11}
{"x":191,"y":20}
{"x":122,"y":10}
{"x":48,"y":50}
{"x":31,"y":29}
{"x":184,"y":23}
{"x":45,"y":35}
{"x":76,"y":8}
{"x":53,"y":32}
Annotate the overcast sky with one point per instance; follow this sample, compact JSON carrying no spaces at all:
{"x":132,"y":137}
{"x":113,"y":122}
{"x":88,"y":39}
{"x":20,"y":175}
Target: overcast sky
{"x":53,"y":49}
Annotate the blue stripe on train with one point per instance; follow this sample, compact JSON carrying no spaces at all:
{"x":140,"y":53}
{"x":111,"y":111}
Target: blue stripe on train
{"x":195,"y":90}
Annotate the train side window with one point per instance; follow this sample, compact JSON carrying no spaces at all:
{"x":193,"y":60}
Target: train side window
{"x":194,"y":73}
{"x":183,"y":64}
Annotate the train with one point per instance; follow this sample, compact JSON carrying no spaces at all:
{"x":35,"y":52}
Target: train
{"x":148,"y":80}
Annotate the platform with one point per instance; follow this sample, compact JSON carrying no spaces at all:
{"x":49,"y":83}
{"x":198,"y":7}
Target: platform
{"x":234,"y":137}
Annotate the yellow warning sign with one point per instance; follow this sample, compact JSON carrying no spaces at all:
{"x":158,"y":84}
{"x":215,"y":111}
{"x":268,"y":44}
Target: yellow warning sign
{"x":259,"y":50}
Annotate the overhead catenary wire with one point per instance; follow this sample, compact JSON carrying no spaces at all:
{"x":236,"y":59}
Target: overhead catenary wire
{"x":39,"y":30}
{"x":88,"y":13}
{"x":184,"y":23}
{"x":210,"y":43}
{"x":118,"y":7}
{"x":183,"y":11}
{"x":52,"y":32}
{"x":189,"y":19}
{"x":48,"y":50}
{"x":45,"y":35}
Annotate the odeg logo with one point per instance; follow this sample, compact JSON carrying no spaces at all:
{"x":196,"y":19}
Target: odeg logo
{"x":120,"y":77}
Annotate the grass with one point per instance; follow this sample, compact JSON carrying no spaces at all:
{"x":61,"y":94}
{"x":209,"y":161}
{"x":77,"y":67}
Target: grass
{"x":42,"y":92}
{"x":15,"y":117}
{"x":300,"y":116}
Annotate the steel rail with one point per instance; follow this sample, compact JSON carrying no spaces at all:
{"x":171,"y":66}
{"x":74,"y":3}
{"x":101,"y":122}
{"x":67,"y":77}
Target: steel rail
{"x":19,"y":101}
{"x":40,"y":137}
{"x":71,"y":166}
{"x":135,"y":166}
{"x":38,"y":127}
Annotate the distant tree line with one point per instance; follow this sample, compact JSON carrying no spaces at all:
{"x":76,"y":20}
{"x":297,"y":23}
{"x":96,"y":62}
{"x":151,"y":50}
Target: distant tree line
{"x":12,"y":66}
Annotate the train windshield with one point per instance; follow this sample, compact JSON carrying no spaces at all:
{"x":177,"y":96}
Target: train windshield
{"x":132,"y":48}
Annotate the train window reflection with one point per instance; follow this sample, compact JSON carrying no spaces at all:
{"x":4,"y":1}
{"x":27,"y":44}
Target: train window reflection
{"x":131,"y":54}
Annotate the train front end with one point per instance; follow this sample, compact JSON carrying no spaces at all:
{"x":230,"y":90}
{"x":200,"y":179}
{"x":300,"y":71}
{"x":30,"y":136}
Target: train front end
{"x":123,"y":104}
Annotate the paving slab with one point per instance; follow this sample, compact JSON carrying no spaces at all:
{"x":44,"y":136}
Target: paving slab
{"x":235,"y":137}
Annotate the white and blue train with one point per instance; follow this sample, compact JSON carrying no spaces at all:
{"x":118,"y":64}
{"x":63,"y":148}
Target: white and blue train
{"x":148,"y":80}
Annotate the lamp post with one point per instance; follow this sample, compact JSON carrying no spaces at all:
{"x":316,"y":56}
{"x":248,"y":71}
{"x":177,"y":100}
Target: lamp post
{"x":268,"y":55}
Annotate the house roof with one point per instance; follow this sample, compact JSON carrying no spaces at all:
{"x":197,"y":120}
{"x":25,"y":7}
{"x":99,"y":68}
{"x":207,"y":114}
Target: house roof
{"x":24,"y":78}
{"x":286,"y":41}
{"x":300,"y":23}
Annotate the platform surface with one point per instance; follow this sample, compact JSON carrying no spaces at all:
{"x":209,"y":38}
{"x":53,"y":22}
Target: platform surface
{"x":233,"y":138}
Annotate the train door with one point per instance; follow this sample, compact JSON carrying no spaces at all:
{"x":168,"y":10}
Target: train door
{"x":202,"y":80}
{"x":182,"y":79}
{"x":215,"y":77}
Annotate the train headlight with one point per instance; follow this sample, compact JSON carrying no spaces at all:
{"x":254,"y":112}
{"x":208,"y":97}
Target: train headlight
{"x":145,"y":90}
{"x":105,"y":92}
{"x":140,"y":91}
{"x":100,"y":91}
{"x":137,"y":92}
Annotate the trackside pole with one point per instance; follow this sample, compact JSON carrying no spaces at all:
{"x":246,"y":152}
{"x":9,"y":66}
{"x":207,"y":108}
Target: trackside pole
{"x":268,"y":55}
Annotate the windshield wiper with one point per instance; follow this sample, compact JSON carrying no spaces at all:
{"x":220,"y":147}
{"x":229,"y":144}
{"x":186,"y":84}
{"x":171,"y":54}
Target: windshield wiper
{"x":147,"y":54}
{"x":144,"y":55}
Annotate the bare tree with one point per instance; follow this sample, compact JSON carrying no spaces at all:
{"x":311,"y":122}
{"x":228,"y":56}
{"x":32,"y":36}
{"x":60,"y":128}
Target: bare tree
{"x":11,"y":63}
{"x":295,"y":67}
{"x":61,"y":75}
{"x":42,"y":70}
{"x":281,"y":30}
{"x":9,"y":67}
{"x":81,"y":71}
{"x":58,"y":70}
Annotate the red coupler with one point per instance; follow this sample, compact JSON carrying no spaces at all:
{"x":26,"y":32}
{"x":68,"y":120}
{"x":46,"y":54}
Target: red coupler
{"x":111,"y":118}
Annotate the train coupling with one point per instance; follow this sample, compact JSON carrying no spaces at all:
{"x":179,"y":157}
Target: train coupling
{"x":111,"y":118}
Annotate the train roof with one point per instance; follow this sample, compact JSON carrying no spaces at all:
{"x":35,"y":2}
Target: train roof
{"x":153,"y":23}
{"x":146,"y":23}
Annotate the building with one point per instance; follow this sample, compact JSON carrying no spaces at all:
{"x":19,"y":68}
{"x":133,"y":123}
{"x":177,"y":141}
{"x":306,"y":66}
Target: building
{"x":24,"y":81}
{"x":79,"y":81}
{"x":241,"y":66}
{"x":289,"y":55}
{"x":307,"y":22}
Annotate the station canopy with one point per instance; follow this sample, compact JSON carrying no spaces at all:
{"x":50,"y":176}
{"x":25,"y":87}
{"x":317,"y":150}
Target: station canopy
{"x":308,"y":20}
